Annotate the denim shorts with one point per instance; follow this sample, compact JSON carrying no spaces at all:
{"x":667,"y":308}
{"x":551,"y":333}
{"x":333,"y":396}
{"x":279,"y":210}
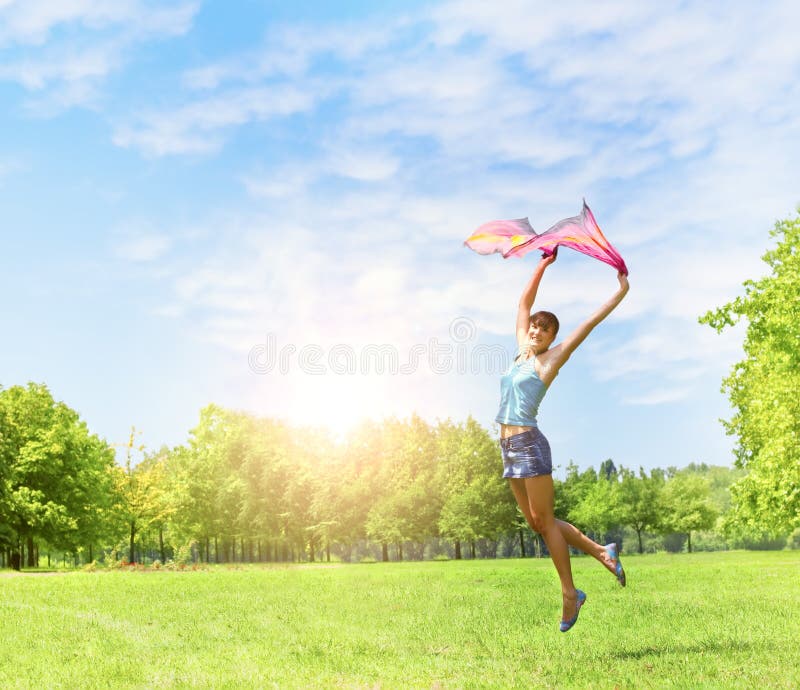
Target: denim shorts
{"x":526,"y":455}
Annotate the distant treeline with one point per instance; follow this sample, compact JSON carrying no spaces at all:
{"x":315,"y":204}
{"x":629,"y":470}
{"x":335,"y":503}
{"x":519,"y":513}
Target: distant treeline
{"x":249,"y":489}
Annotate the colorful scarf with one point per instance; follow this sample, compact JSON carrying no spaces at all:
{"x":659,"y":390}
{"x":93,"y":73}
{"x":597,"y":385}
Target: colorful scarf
{"x":517,"y":238}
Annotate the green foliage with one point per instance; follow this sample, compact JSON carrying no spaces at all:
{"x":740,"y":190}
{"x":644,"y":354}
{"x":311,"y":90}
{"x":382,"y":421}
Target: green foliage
{"x":589,"y":499}
{"x":687,"y":505}
{"x":599,"y":509}
{"x":763,"y":388}
{"x":141,"y":492}
{"x":641,"y":502}
{"x":476,"y":501}
{"x":574,"y":488}
{"x":719,"y":479}
{"x":406,"y":504}
{"x":244,"y":488}
{"x":54,"y":475}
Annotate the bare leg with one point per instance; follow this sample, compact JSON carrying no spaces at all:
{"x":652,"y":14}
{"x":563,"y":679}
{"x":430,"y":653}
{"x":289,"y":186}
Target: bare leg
{"x":539,"y":494}
{"x":572,"y":535}
{"x":578,"y":540}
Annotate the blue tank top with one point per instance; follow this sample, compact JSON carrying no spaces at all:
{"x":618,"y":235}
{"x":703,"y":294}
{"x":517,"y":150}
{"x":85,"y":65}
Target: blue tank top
{"x":521,"y":392}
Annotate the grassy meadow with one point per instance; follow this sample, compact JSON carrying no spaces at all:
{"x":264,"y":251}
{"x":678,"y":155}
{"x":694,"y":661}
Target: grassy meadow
{"x":716,"y":620}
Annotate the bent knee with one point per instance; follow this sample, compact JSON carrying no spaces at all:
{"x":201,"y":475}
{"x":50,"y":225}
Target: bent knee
{"x":542,"y":523}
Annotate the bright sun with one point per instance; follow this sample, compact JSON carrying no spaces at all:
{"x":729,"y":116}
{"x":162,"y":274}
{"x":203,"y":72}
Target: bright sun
{"x":338,"y":403}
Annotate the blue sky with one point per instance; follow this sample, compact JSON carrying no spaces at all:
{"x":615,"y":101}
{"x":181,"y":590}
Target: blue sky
{"x":187,"y":185}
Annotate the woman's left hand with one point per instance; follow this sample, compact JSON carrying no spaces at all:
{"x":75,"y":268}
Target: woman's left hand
{"x":547,"y":259}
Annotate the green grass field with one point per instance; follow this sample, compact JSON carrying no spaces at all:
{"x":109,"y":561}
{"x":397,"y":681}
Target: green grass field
{"x":702,"y":620}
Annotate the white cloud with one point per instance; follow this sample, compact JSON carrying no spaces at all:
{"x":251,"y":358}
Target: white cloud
{"x":658,"y":397}
{"x":283,"y":183}
{"x":366,"y":165}
{"x":63,"y":65}
{"x":63,"y":51}
{"x":675,"y":120}
{"x":143,"y":248}
{"x":197,"y":127}
{"x":669,"y":348}
{"x":344,"y":159}
{"x":33,"y":21}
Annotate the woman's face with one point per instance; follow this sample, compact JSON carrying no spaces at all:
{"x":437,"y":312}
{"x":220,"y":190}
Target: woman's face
{"x":540,"y":336}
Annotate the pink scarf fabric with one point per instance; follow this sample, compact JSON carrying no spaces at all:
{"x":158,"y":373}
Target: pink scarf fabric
{"x":517,"y":238}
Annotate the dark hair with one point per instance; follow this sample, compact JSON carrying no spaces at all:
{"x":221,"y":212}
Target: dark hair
{"x":546,"y":319}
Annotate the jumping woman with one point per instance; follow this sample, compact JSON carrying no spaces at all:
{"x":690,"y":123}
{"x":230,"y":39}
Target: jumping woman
{"x":526,"y":453}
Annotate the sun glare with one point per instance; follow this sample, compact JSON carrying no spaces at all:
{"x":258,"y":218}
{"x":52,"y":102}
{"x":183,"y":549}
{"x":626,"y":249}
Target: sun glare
{"x":336,"y":403}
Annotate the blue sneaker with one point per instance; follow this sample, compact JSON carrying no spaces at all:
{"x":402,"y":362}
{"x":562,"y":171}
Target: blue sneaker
{"x":619,"y":571}
{"x":566,"y":625}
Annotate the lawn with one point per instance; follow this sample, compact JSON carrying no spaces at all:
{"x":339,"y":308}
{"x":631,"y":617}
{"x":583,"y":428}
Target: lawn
{"x":693,"y":620}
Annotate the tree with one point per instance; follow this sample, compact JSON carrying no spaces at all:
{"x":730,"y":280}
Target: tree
{"x":763,"y":389}
{"x":140,"y":490}
{"x":688,"y":508}
{"x":356,"y":480}
{"x":406,"y":503}
{"x":56,"y":474}
{"x":641,"y":504}
{"x":477,"y":502}
{"x":208,"y":492}
{"x":573,"y":489}
{"x":267,"y":463}
{"x":600,"y":509}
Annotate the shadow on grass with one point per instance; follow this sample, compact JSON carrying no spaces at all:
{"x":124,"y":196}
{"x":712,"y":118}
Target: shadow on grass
{"x":664,"y":649}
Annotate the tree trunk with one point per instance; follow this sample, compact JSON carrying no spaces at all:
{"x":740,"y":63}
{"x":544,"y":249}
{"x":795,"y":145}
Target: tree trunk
{"x":472,"y":550}
{"x":131,"y":552}
{"x":328,"y":552}
{"x":161,"y":550}
{"x":458,"y":550}
{"x":639,"y":534}
{"x":385,"y":552}
{"x":522,"y":542}
{"x":689,"y":541}
{"x":311,"y":550}
{"x":31,"y":553}
{"x":400,"y":551}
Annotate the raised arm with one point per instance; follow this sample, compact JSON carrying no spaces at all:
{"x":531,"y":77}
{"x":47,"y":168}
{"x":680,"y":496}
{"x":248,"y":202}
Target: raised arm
{"x":562,"y":352}
{"x":529,"y":296}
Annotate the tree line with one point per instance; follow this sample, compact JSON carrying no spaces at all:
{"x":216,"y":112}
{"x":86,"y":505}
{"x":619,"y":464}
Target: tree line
{"x":250,"y":489}
{"x":247,"y":488}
